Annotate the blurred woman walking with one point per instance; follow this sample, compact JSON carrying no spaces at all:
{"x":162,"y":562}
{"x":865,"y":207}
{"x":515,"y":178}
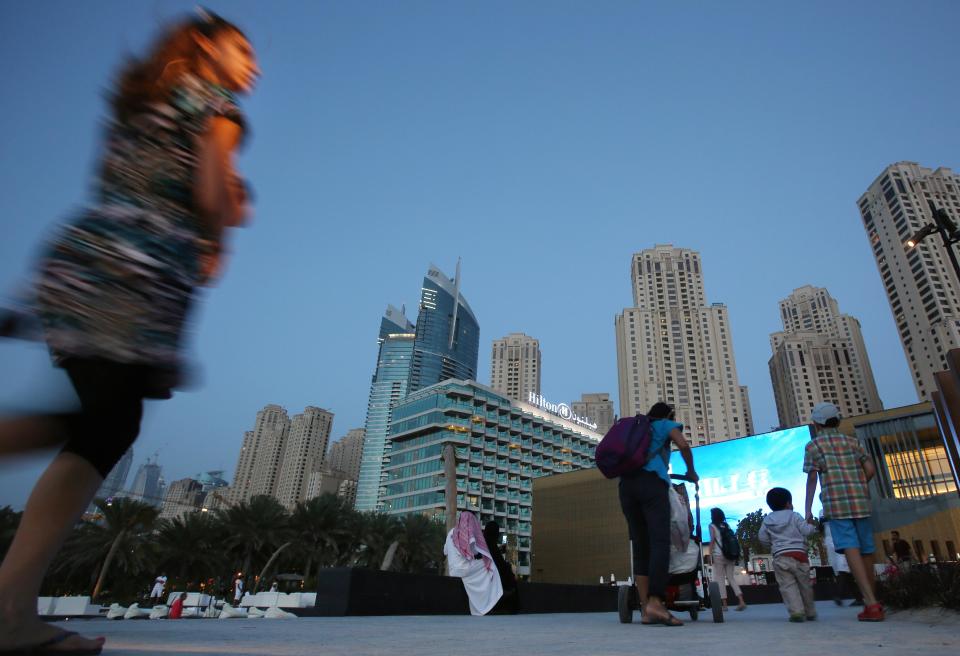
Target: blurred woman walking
{"x":114,"y":288}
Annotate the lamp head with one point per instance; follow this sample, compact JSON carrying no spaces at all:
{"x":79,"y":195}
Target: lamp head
{"x":920,"y":235}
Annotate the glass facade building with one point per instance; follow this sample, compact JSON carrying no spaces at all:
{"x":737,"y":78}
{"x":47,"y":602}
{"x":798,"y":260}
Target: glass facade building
{"x":911,"y":457}
{"x":389,"y":385}
{"x":447,"y":333}
{"x":915,"y":489}
{"x":500,"y":446}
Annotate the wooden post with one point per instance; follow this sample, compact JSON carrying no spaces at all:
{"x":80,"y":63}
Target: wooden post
{"x":450,"y":492}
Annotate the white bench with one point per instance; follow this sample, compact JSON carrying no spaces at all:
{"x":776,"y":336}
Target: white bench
{"x":74,"y":607}
{"x":45,"y":605}
{"x":279,"y":600}
{"x":193,"y":599}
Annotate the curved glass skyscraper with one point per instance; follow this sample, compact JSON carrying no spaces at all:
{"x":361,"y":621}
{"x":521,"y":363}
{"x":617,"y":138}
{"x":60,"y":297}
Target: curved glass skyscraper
{"x":443,"y":345}
{"x":448,"y":335}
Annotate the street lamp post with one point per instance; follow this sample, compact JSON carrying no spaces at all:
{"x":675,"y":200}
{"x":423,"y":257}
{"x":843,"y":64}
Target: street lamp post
{"x":948,"y":231}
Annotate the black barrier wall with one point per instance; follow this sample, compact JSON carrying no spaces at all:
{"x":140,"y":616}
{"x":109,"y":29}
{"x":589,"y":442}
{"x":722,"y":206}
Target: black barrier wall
{"x":349,"y":591}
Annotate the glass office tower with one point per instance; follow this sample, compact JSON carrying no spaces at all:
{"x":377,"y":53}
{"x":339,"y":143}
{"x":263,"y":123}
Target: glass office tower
{"x":447,"y":333}
{"x":389,"y":385}
{"x":444,"y":344}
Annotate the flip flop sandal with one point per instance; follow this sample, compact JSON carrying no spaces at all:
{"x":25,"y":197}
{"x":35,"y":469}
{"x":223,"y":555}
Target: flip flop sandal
{"x":669,"y":620}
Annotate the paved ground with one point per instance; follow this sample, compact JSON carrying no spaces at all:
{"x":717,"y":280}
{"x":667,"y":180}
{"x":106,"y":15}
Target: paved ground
{"x":758,"y":631}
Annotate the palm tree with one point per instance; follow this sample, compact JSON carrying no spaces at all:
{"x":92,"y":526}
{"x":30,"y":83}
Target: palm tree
{"x":189,"y":546}
{"x":77,"y":566}
{"x":122,"y":540}
{"x":322,"y":530}
{"x":420,"y":544}
{"x":254,"y":528}
{"x":350,"y":539}
{"x":379,"y":530}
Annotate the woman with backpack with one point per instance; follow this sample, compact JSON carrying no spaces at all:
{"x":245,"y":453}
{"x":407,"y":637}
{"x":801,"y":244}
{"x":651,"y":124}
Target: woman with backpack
{"x":646,"y":506}
{"x":725,"y":552}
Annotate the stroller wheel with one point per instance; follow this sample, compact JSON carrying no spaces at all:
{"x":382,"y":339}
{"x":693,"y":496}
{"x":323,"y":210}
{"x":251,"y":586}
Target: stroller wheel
{"x":716,"y":603}
{"x":625,"y":603}
{"x":694,"y":614}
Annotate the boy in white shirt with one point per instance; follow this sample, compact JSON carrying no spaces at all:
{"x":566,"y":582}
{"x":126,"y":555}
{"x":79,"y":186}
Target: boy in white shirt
{"x":786,"y":531}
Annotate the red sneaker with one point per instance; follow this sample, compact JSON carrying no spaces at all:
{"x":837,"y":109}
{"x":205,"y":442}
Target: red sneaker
{"x":872,"y":613}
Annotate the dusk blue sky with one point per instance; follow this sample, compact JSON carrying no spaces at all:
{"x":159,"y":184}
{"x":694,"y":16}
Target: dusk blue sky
{"x":542,"y":142}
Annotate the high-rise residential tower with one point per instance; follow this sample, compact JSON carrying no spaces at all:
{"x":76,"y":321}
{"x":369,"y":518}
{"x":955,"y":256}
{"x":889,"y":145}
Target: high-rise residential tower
{"x":303,"y":454}
{"x":515,"y":366}
{"x":389,"y":385}
{"x":261,"y":455}
{"x":922,"y":288}
{"x":597,"y":407}
{"x":183,"y":496}
{"x":745,"y":403}
{"x":447,"y":333}
{"x":345,"y":453}
{"x":673,"y":347}
{"x":819,"y":356}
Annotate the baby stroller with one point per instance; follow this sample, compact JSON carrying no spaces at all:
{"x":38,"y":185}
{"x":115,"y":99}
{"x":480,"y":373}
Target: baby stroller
{"x":685,"y":588}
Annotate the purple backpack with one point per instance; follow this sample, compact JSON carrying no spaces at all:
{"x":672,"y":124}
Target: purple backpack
{"x":625,"y":448}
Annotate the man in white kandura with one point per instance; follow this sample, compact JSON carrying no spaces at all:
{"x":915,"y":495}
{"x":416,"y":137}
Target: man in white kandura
{"x":469,"y":559}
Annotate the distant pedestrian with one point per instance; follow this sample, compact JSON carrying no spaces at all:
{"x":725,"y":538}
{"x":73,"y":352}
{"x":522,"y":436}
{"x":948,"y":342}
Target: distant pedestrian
{"x":724,"y":564}
{"x":469,"y":558}
{"x":843,"y":470}
{"x":176,"y":609}
{"x":238,"y":588}
{"x":273,"y":587}
{"x":159,"y":584}
{"x":901,"y":551}
{"x":786,"y":532}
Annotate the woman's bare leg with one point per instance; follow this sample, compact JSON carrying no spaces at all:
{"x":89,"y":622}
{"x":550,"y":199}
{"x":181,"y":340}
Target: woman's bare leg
{"x":56,"y":503}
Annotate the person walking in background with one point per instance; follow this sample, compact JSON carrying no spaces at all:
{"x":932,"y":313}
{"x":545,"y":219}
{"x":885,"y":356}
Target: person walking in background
{"x":646,"y":507}
{"x":843,"y":470}
{"x":725,"y":562}
{"x":114,"y":288}
{"x":238,"y":589}
{"x":159,"y":584}
{"x":901,"y":551}
{"x":786,"y":532}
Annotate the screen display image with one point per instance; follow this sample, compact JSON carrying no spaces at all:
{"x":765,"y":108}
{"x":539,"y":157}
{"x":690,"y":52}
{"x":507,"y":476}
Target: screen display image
{"x":735,"y":475}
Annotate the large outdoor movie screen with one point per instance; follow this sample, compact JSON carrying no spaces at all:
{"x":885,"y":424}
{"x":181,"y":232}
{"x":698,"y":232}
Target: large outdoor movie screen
{"x":735,"y":475}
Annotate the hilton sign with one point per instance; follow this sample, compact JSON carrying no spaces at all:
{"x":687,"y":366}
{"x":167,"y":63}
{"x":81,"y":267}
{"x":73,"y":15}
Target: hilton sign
{"x":562,"y":410}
